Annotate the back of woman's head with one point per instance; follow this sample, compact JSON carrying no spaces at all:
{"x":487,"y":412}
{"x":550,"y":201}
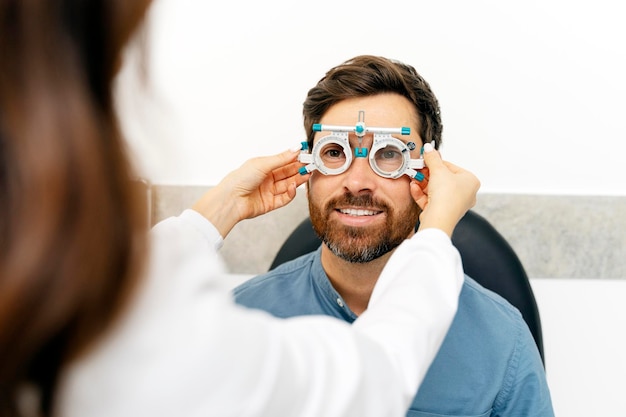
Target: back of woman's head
{"x":70,"y":223}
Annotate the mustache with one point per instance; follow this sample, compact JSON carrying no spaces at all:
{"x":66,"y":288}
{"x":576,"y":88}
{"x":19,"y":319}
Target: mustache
{"x":362,"y":200}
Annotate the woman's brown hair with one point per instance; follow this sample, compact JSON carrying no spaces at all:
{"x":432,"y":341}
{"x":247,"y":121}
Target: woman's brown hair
{"x":71,"y":224}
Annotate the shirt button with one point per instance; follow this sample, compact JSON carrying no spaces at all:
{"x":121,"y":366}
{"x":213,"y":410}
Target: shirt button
{"x":339,"y":302}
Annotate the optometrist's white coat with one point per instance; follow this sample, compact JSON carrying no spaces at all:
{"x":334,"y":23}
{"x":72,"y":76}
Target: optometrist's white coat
{"x":185,"y":349}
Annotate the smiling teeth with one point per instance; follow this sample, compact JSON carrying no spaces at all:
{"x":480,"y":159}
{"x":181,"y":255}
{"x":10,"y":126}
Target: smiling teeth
{"x":353,"y":212}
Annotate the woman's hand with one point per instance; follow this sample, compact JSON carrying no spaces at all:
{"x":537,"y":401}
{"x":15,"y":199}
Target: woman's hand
{"x":260,"y":185}
{"x":447,"y":195}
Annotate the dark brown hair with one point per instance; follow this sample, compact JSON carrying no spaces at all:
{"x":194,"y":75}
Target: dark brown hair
{"x":368,"y":75}
{"x":71,"y":223}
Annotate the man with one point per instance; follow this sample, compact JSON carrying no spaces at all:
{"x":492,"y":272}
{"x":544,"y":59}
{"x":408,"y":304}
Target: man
{"x":488,"y":365}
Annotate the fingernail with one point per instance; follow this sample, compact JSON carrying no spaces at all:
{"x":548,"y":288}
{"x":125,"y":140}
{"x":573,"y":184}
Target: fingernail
{"x":295,"y":148}
{"x":428,"y":147}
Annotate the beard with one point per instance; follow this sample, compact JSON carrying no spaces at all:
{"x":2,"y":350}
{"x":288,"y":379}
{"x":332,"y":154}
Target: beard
{"x":363,"y":244}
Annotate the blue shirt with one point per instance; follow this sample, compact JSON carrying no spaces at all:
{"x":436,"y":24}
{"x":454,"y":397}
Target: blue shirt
{"x":488,"y":364}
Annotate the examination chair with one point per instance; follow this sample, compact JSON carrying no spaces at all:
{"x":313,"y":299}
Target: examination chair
{"x":487,"y":258}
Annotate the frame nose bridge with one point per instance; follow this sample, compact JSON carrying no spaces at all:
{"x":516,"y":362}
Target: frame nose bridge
{"x":359,"y":174}
{"x":361,"y":145}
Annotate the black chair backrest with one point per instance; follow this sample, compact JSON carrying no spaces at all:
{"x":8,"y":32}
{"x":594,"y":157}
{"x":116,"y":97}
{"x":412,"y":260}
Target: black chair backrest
{"x":487,"y":258}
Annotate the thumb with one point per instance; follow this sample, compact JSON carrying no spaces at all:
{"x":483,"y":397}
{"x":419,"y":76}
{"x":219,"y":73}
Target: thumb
{"x":271,"y":162}
{"x":283,"y":158}
{"x":432,"y":157}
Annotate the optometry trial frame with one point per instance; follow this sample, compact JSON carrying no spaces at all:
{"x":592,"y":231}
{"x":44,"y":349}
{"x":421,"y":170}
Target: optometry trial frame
{"x":389,"y":157}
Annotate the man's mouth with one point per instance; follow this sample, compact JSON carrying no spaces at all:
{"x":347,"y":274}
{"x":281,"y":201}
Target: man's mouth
{"x":358,"y":212}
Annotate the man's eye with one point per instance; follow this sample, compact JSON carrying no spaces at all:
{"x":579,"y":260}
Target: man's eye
{"x":390,"y":154}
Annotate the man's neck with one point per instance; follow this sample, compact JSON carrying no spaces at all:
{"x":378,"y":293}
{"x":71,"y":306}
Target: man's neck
{"x":353,"y":281}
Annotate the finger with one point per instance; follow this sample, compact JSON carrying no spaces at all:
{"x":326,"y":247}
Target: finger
{"x":285,"y":184}
{"x":284,"y":177}
{"x":291,"y":169}
{"x":418,"y":194}
{"x":270,"y":163}
{"x":285,"y":197}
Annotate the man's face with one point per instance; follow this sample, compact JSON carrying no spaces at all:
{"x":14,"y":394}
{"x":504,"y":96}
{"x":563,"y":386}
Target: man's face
{"x":359,"y":214}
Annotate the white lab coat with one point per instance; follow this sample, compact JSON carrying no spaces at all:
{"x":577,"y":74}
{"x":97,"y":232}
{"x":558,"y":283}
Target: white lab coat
{"x":185,"y":349}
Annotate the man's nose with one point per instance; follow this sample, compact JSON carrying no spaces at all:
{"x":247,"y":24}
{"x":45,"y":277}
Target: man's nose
{"x":359,"y":176}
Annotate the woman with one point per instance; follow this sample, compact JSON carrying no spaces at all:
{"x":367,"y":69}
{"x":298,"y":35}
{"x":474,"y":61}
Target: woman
{"x":88,"y":328}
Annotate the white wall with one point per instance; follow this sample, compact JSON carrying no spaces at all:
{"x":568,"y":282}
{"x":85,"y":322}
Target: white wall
{"x":583,"y":324}
{"x":533,"y":94}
